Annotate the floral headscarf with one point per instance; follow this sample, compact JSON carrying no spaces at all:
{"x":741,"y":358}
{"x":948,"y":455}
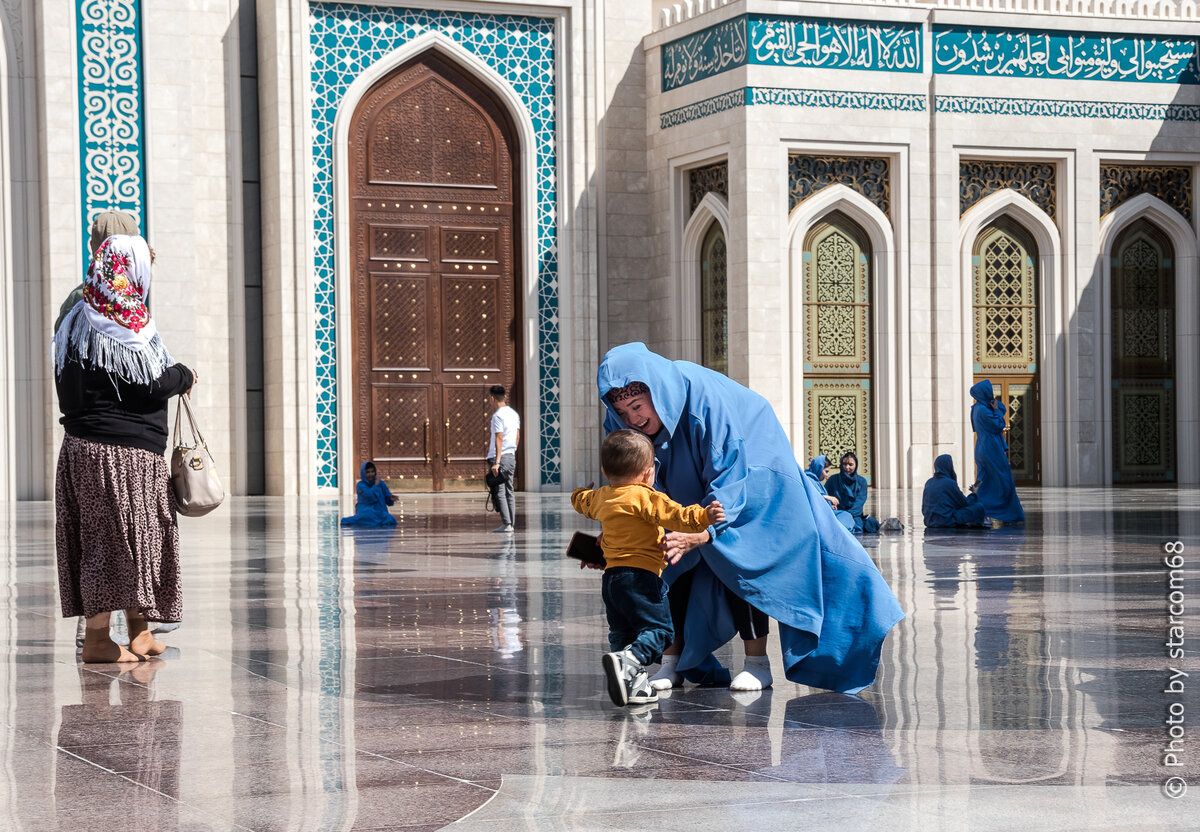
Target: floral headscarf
{"x":111,"y":326}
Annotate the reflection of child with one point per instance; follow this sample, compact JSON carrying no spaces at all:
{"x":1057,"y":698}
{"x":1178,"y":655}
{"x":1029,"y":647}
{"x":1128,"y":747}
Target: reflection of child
{"x":373,"y":499}
{"x":633,"y":515}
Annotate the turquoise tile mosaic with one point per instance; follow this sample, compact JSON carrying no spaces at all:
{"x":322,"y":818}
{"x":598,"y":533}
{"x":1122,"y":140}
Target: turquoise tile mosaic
{"x":788,"y":97}
{"x":991,"y":106}
{"x":344,"y":40}
{"x":111,"y":118}
{"x":1022,"y":53}
{"x":773,"y":40}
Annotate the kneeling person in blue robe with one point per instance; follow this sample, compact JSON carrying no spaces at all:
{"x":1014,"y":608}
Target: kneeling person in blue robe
{"x":943,"y":504}
{"x":373,"y":498}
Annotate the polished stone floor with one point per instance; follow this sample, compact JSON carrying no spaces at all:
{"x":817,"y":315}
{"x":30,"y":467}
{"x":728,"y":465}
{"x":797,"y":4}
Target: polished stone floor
{"x":439,"y":674}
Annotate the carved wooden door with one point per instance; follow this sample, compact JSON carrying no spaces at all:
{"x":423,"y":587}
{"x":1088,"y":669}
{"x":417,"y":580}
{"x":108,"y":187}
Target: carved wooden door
{"x":433,"y":213}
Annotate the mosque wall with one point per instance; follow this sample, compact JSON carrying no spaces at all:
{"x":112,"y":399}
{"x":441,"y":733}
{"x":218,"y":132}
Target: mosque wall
{"x":968,"y":129}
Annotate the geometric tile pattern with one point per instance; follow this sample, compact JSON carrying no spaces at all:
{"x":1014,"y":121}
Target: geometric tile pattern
{"x":1173,"y":185}
{"x":1022,"y":53}
{"x":791,"y":97}
{"x":1042,"y":107}
{"x":112,"y":161}
{"x":771,"y":40}
{"x":344,"y":40}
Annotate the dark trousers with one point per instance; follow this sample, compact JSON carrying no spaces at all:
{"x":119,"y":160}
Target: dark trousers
{"x":639,"y":616}
{"x":751,"y":622}
{"x":503,"y":498}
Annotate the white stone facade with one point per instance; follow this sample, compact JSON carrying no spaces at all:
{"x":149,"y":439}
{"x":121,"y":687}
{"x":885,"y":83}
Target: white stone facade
{"x":625,"y":241}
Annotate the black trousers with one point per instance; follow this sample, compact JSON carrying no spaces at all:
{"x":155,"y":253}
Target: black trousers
{"x":751,"y":622}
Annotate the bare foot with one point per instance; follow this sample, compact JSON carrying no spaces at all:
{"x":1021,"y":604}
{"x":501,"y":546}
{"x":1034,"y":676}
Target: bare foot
{"x":98,"y":648}
{"x":145,"y":643}
{"x":141,"y":640}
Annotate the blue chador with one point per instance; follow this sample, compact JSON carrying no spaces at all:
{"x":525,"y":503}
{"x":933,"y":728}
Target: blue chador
{"x":851,"y":493}
{"x":373,"y":499}
{"x":780,"y":548}
{"x":996,"y":489}
{"x":815,"y":469}
{"x":943,"y":504}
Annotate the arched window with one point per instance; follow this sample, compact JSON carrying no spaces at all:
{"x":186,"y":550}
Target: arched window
{"x":714,"y":311}
{"x":837,"y":341}
{"x":1143,"y":355}
{"x":1006,"y":336}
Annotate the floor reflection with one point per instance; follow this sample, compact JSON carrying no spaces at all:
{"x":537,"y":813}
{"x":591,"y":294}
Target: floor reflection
{"x":327,"y":679}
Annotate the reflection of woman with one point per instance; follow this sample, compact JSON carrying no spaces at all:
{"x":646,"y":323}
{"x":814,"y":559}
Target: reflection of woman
{"x":994,"y":479}
{"x":116,"y":532}
{"x":780,"y":550}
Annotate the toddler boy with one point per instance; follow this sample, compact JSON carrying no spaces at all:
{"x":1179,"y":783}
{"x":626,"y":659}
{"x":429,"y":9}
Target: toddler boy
{"x":633,"y":515}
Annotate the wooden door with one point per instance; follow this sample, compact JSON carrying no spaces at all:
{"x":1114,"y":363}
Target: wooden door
{"x":433,"y":211}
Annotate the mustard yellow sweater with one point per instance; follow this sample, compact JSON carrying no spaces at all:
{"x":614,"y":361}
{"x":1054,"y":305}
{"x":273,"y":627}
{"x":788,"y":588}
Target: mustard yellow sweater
{"x":633,"y":517}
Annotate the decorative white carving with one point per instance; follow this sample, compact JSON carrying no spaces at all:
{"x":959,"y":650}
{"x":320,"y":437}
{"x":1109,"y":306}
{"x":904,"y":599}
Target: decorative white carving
{"x":110,"y":93}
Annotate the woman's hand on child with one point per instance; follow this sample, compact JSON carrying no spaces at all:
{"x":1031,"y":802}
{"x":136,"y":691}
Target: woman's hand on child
{"x":716,"y":512}
{"x":677,"y":544}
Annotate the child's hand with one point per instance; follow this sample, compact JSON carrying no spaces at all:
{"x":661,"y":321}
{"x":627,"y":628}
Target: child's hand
{"x":716,"y":512}
{"x":391,"y":501}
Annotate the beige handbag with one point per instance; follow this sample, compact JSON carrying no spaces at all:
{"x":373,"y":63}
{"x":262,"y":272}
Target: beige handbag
{"x":193,"y":473}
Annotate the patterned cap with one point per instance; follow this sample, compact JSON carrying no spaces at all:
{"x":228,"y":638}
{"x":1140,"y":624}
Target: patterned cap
{"x":620,"y":394}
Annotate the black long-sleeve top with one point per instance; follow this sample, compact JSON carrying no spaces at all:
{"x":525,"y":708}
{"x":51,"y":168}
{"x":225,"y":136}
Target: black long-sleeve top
{"x":104,"y":408}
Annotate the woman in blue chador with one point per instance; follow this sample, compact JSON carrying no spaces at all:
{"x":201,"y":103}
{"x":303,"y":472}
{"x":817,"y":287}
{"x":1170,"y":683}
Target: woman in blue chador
{"x":850,"y":489}
{"x":780,"y":550}
{"x":943,"y":505}
{"x":818,"y":472}
{"x":993,"y":475}
{"x":373,"y":499}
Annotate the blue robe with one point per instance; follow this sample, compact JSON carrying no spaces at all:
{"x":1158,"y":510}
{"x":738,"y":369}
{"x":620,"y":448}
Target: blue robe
{"x":851,"y":493}
{"x":943,"y":504}
{"x":815,"y":469}
{"x":370,"y":509}
{"x":996,"y":490}
{"x":780,"y":548}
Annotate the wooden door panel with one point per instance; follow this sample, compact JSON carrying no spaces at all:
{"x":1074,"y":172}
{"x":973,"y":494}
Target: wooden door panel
{"x":406,"y":243}
{"x":470,"y":340}
{"x":401,"y":312}
{"x":398,"y":427}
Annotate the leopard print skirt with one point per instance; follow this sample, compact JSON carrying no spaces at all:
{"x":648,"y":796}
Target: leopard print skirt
{"x":116,"y":531}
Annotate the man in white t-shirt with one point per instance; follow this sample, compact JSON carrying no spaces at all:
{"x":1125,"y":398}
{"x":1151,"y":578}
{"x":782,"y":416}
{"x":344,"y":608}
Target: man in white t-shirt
{"x":502,"y":457}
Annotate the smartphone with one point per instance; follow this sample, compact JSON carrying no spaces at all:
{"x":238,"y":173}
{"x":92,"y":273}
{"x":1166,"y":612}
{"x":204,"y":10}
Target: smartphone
{"x":584,"y":547}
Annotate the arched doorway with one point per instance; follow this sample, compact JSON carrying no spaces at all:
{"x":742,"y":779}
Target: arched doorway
{"x":434,"y":221}
{"x":1143,"y":355}
{"x":837,"y":342}
{"x":714,"y":305}
{"x":1005,"y":260}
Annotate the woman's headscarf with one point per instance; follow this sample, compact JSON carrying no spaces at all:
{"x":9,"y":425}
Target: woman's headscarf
{"x":816,"y":468}
{"x":111,"y":327}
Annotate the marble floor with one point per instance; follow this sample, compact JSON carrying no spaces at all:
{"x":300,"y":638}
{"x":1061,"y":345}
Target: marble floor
{"x":437,"y":674}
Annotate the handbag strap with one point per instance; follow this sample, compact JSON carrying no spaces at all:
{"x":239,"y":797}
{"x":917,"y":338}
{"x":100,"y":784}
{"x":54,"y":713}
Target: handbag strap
{"x":185,"y":406}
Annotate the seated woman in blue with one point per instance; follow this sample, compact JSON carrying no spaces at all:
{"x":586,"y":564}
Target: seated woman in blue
{"x":818,"y":472}
{"x":943,"y":504}
{"x":851,"y":492}
{"x":993,"y":475}
{"x":373,"y":499}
